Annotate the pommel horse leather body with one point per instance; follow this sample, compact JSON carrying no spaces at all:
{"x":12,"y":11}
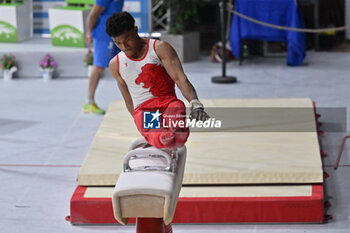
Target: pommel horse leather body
{"x":150,"y":184}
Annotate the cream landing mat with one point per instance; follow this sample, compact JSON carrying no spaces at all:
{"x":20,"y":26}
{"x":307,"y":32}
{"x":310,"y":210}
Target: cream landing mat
{"x":265,"y":141}
{"x":222,"y":191}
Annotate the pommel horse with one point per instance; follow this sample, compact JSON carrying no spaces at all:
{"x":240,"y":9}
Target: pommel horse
{"x":149,"y":186}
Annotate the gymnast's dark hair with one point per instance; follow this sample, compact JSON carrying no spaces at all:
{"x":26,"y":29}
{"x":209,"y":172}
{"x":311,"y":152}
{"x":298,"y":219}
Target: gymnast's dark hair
{"x":118,"y":23}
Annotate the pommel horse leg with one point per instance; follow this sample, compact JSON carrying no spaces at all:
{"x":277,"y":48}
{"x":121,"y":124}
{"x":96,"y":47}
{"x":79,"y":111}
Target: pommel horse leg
{"x":149,"y":187}
{"x":154,"y":225}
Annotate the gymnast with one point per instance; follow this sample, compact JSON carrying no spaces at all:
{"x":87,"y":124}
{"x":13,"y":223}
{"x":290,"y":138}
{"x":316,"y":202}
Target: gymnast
{"x":146,"y":71}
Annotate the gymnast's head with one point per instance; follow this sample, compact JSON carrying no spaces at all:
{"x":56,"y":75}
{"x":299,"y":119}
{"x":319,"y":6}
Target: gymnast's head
{"x":120,"y":22}
{"x":120,"y":26}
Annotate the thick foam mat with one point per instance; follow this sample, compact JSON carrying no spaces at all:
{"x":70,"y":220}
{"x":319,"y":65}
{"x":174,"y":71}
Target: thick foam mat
{"x":268,"y":145}
{"x":215,"y":204}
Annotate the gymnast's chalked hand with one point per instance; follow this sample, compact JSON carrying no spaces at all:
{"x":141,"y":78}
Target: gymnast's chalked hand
{"x":197,"y":111}
{"x":199,"y":114}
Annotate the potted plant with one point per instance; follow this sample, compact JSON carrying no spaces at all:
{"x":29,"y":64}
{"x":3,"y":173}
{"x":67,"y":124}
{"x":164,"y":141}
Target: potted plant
{"x":89,"y":60}
{"x":182,"y":15}
{"x":47,"y":66}
{"x":9,"y":65}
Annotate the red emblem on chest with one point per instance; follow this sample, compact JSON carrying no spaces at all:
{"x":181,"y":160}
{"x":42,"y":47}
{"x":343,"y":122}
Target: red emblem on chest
{"x":157,"y":79}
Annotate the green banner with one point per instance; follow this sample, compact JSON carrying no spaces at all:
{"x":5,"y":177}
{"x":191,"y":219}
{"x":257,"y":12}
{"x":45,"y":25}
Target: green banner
{"x":8,"y":33}
{"x":66,"y":35}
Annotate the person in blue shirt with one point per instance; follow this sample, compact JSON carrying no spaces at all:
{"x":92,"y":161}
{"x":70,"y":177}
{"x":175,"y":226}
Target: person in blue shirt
{"x":104,"y":48}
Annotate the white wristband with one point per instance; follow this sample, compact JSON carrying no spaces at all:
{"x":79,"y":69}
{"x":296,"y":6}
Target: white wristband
{"x":195,"y":103}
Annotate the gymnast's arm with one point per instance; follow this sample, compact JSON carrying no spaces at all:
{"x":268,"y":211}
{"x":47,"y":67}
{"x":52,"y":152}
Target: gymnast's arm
{"x":172,"y":65}
{"x":113,"y":66}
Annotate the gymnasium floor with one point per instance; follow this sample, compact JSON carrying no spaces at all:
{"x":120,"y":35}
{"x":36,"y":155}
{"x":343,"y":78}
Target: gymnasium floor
{"x":41,"y":123}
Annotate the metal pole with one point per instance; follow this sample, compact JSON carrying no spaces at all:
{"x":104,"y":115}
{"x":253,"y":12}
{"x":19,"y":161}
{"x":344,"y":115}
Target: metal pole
{"x":316,"y":16}
{"x":223,"y":36}
{"x":223,"y":78}
{"x":150,"y":18}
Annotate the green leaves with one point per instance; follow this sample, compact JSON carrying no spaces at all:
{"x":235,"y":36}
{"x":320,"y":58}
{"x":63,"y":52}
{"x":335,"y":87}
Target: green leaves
{"x":7,"y":61}
{"x":182,"y":14}
{"x":89,"y":58}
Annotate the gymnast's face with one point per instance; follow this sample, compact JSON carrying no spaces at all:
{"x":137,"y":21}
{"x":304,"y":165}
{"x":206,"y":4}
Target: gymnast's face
{"x":128,"y":42}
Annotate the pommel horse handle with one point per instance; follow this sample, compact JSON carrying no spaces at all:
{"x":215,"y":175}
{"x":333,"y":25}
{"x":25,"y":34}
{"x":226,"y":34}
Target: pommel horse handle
{"x":144,"y":153}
